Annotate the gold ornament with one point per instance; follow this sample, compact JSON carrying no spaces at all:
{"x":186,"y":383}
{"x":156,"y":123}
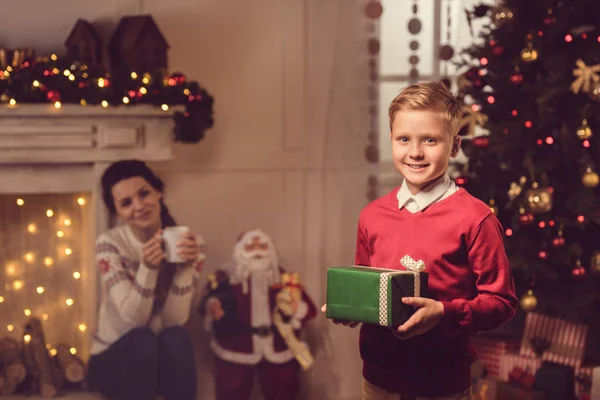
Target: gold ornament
{"x":584,"y":131}
{"x":514,"y":190}
{"x":539,"y":200}
{"x":493,"y":207}
{"x":528,"y":301}
{"x":590,"y":179}
{"x":587,"y":77}
{"x":529,"y":54}
{"x":595,"y":262}
{"x":594,"y":94}
{"x":471,"y":120}
{"x":501,"y":15}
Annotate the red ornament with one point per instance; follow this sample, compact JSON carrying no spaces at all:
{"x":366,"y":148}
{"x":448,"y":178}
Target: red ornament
{"x":516,"y":78}
{"x":460,"y":180}
{"x":177,"y":79}
{"x":53,"y":96}
{"x":481,"y":141}
{"x":543,"y":255}
{"x":82,"y":84}
{"x":558,"y":242}
{"x":526,"y":218}
{"x":498,"y":50}
{"x":578,"y":271}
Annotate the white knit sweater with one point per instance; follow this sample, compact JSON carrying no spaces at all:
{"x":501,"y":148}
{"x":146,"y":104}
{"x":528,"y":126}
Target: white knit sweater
{"x":128,"y":289}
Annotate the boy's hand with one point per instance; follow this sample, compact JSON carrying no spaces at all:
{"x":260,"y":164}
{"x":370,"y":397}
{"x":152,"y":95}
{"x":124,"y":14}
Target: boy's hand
{"x":351,"y":324}
{"x":428,"y":315}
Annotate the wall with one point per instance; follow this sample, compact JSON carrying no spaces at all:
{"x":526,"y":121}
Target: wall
{"x":286,"y":151}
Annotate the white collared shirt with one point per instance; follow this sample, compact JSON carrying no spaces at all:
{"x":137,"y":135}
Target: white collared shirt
{"x":438,"y":190}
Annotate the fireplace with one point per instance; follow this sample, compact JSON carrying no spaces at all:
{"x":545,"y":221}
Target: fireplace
{"x":50,"y":210}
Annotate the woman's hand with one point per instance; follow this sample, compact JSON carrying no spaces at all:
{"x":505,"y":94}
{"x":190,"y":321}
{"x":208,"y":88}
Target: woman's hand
{"x":152,"y":251}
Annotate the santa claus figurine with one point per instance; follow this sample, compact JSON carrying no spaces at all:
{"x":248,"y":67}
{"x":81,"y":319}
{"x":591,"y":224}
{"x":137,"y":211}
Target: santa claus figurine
{"x":255,"y":311}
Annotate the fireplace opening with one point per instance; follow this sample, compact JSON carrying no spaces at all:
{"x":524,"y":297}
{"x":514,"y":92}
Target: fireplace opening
{"x":46,"y":259}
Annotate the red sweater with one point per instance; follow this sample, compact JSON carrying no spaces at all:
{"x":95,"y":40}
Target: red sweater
{"x":460,"y":241}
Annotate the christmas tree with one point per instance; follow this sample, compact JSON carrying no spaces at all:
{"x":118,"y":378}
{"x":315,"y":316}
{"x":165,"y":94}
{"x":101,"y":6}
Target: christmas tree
{"x":533,"y":83}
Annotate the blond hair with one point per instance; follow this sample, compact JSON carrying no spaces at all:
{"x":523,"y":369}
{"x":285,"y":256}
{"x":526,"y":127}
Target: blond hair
{"x":429,"y":96}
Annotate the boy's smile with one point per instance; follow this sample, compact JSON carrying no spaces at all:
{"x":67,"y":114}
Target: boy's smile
{"x":421,"y":147}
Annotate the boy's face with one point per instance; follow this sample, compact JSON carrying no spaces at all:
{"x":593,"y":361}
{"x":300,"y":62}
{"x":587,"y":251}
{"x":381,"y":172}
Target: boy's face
{"x":421,"y":147}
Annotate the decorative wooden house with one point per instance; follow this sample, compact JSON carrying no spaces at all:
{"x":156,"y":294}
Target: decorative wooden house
{"x":138,"y":44}
{"x":84,"y":44}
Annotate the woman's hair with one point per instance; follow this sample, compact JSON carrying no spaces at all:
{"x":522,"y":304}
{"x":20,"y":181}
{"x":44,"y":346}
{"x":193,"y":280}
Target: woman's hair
{"x":126,"y":169}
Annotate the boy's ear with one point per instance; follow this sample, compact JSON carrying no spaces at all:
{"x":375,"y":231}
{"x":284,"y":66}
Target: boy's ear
{"x":455,"y":146}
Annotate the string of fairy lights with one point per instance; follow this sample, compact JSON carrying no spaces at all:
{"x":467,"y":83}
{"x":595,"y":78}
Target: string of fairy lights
{"x":24,"y":279}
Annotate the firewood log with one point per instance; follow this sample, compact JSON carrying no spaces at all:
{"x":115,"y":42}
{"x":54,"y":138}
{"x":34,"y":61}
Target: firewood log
{"x":7,"y":387}
{"x":11,"y":358}
{"x":38,"y":360}
{"x":70,"y":365}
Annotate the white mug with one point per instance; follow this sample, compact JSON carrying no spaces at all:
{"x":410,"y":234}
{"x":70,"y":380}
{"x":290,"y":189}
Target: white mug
{"x":171,"y":236}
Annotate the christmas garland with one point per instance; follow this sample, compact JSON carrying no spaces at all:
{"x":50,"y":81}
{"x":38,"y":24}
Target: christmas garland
{"x":58,"y":80}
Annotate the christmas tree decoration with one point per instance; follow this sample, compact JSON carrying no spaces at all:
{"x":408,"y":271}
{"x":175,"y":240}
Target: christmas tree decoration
{"x":584,"y":131}
{"x":594,"y":93}
{"x":528,"y":301}
{"x":526,"y":218}
{"x":587,"y":77}
{"x":472,"y":118}
{"x":550,"y":18}
{"x":536,"y":130}
{"x":502,"y":15}
{"x":516,"y":78}
{"x":529,"y":54}
{"x":493,"y":206}
{"x":590,"y":179}
{"x":514,"y":190}
{"x":595,"y":262}
{"x":578,"y":271}
{"x":539,"y":200}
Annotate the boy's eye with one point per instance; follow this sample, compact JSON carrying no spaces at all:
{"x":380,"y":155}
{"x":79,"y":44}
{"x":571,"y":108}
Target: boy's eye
{"x":430,"y":140}
{"x":125,"y":203}
{"x":402,"y":139}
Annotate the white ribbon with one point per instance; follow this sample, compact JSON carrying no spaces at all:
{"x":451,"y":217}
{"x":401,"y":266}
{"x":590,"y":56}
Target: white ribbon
{"x":413,"y":267}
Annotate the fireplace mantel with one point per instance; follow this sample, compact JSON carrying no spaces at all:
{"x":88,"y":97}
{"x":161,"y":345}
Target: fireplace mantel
{"x":44,"y":149}
{"x":43,"y":134}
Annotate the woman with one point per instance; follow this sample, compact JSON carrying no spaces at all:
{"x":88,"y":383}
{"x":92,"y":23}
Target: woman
{"x":140,"y":349}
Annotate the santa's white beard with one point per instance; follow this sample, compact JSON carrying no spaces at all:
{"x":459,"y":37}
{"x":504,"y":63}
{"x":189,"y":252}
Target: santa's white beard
{"x":257,"y":264}
{"x":264,"y":271}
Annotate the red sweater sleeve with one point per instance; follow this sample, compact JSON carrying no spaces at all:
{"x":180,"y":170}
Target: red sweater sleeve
{"x":363,"y":256}
{"x":495,"y":302}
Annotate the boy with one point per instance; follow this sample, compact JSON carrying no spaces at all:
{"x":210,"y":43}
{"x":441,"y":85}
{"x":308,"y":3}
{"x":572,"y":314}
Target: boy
{"x":460,"y":241}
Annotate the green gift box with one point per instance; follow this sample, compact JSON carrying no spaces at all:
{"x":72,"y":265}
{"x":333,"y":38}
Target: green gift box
{"x":372,"y":295}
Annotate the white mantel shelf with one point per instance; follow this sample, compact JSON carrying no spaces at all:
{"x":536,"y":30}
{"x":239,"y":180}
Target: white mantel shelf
{"x":43,"y":134}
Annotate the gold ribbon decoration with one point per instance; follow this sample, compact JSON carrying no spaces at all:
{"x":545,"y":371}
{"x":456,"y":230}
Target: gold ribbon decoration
{"x":472,"y":119}
{"x":586,"y":77}
{"x":290,"y":294}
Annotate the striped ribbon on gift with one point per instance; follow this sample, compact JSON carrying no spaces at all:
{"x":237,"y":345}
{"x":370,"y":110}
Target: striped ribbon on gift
{"x":412,"y":267}
{"x":567,"y":340}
